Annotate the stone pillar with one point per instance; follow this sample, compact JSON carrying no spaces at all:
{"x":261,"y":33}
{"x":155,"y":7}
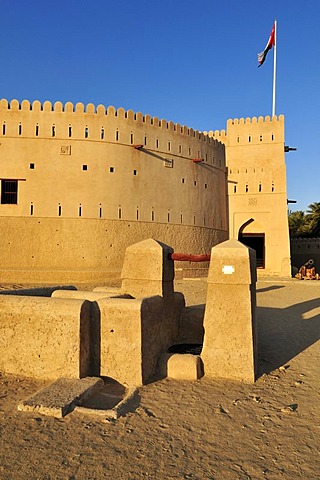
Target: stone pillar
{"x":230,"y":339}
{"x":148,"y":269}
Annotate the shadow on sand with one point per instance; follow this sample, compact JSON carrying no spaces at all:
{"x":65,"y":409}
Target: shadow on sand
{"x":268,"y":289}
{"x":283,"y":333}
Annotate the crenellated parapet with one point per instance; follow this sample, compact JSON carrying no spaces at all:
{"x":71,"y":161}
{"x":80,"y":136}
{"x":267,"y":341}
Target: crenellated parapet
{"x":255,"y":130}
{"x":92,"y":122}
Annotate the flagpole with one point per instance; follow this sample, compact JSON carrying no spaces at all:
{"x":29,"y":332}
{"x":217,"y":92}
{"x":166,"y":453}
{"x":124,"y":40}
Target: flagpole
{"x":274,"y":70}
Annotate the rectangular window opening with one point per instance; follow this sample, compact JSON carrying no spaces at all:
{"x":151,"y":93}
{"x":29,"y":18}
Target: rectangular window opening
{"x":37,"y":130}
{"x":70,"y":131}
{"x":59,"y":210}
{"x":84,"y":167}
{"x":4,"y":129}
{"x":111,"y":169}
{"x":9,"y":192}
{"x":31,"y":209}
{"x":31,"y":166}
{"x":135,"y":172}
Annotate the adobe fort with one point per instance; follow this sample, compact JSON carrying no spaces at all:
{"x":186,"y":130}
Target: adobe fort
{"x":80,"y":184}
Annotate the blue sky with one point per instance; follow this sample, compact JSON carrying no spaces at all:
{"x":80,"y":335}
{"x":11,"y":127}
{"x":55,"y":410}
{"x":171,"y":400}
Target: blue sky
{"x":192,"y":62}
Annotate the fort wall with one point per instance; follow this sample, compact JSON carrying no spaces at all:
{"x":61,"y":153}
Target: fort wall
{"x":85,"y":163}
{"x":48,"y":250}
{"x":257,"y":195}
{"x":111,"y":172}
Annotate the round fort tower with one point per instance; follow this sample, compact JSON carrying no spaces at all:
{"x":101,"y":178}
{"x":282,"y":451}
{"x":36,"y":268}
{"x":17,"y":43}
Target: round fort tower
{"x":79,"y":184}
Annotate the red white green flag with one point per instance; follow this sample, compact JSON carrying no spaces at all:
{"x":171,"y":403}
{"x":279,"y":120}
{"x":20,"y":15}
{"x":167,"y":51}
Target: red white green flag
{"x":270,"y":44}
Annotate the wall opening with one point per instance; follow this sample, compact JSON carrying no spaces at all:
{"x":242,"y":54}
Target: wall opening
{"x":254,"y":240}
{"x":9,"y":192}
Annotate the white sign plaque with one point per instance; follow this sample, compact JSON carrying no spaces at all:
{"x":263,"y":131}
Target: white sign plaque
{"x":228,"y":269}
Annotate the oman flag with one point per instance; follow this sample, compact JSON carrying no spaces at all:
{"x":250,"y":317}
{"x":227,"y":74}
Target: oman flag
{"x":270,"y":44}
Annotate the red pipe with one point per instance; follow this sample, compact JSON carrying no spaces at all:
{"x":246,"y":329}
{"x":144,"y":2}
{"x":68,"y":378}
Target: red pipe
{"x":189,"y":257}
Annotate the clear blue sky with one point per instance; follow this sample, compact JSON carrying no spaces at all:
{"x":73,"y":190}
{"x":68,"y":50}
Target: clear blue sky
{"x":192,"y":62}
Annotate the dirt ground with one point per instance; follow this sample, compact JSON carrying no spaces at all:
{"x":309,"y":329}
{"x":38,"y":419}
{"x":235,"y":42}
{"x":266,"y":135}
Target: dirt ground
{"x":206,"y":429}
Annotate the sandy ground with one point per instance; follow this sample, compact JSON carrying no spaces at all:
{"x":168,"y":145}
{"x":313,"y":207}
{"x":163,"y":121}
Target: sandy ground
{"x":191,"y":430}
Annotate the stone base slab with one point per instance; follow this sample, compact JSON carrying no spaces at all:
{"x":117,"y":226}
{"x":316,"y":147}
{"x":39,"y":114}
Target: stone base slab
{"x":61,"y":397}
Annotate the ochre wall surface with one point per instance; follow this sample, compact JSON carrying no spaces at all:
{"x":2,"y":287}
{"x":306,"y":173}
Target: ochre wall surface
{"x":304,"y":249}
{"x":85,"y":193}
{"x":49,"y":250}
{"x":257,"y":186}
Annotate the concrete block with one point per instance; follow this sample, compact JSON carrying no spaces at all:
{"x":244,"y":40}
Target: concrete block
{"x":230,"y":340}
{"x":181,"y":366}
{"x":133,"y":334}
{"x":44,"y":338}
{"x":148,"y":269}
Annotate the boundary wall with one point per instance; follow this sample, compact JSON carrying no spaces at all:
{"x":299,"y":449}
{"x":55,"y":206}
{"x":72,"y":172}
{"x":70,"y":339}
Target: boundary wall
{"x":303,"y":249}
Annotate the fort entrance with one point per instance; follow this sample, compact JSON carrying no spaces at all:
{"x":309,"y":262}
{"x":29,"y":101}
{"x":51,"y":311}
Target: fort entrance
{"x":256,"y":241}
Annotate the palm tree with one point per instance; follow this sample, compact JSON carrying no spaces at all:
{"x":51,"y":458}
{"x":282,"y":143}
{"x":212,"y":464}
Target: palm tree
{"x":313,"y":218}
{"x":298,"y":224}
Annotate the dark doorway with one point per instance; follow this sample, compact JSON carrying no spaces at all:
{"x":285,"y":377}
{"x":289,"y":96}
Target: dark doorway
{"x":256,"y":242}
